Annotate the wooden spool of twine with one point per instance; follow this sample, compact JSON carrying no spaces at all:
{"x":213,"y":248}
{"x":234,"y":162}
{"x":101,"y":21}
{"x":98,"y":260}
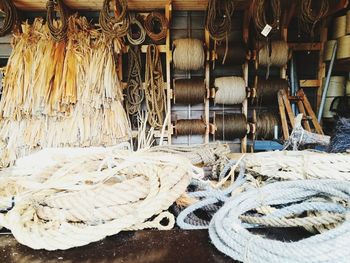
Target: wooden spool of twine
{"x":347,"y":90}
{"x":236,"y":54}
{"x":267,"y":90}
{"x":265,"y":125}
{"x":156,"y":26}
{"x":230,"y":90}
{"x":339,"y":27}
{"x":343,"y":47}
{"x":189,"y":91}
{"x":190,"y":127}
{"x":348,"y":23}
{"x":188,"y":54}
{"x":276,"y":54}
{"x":328,"y":50}
{"x":230,"y":126}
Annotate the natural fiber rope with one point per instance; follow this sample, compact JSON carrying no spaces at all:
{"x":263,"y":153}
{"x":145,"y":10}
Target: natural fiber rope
{"x":154,"y":87}
{"x":134,"y":91}
{"x":265,"y":125}
{"x":235,"y":55}
{"x":230,"y":126}
{"x":153,"y":20}
{"x":139,"y":37}
{"x":230,"y":90}
{"x":117,"y":26}
{"x":328,"y":50}
{"x":84,"y":199}
{"x":348,"y":22}
{"x":190,"y":127}
{"x":274,"y":55}
{"x":189,"y":91}
{"x":261,"y":14}
{"x":339,"y":27}
{"x":267,"y":90}
{"x":188,"y":54}
{"x":59,"y":32}
{"x":11,"y":16}
{"x":343,"y":47}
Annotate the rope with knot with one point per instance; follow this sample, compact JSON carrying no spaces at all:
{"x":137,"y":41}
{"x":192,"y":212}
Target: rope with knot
{"x":81,"y":200}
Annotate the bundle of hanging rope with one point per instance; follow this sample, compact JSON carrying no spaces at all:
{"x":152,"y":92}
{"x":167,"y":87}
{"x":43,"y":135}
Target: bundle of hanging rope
{"x":230,"y":90}
{"x":11,"y":16}
{"x":154,"y":87}
{"x":114,"y":26}
{"x":276,"y":54}
{"x":156,"y":26}
{"x":190,"y":127}
{"x":261,"y":14}
{"x":138,"y":37}
{"x":188,"y":54}
{"x":230,"y":126}
{"x":58,"y":29}
{"x":309,"y":16}
{"x":86,"y":198}
{"x":189,"y":91}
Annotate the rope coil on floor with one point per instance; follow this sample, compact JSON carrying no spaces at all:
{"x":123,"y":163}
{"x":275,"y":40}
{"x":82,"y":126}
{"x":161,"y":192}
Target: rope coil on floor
{"x":11,"y":17}
{"x":188,"y":54}
{"x":58,"y":29}
{"x":156,"y":26}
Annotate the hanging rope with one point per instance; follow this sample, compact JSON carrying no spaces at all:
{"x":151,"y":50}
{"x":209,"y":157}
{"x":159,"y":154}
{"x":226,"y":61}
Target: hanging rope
{"x":230,"y":90}
{"x":58,"y":29}
{"x":11,"y":16}
{"x":154,"y":87}
{"x":115,"y":26}
{"x":230,"y":126}
{"x":134,"y":91}
{"x":138,"y":36}
{"x":262,"y":9}
{"x":189,"y":91}
{"x":188,"y":54}
{"x":156,"y":26}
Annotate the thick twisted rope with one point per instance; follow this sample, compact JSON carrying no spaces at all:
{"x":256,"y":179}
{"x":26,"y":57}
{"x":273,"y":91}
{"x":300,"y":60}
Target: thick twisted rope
{"x":230,"y":235}
{"x":156,"y":26}
{"x":84,"y":199}
{"x":11,"y":16}
{"x":58,"y":32}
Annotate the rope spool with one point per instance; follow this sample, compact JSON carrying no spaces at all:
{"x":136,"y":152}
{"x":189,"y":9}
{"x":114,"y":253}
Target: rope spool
{"x":348,"y":88}
{"x":276,"y":54}
{"x":343,"y":47}
{"x":328,"y":51}
{"x":189,"y":91}
{"x":190,"y":127}
{"x":230,"y":126}
{"x":188,"y":54}
{"x":156,"y":26}
{"x":235,"y":55}
{"x":136,"y":33}
{"x":336,"y":89}
{"x":11,"y":16}
{"x":267,"y":90}
{"x":230,"y":90}
{"x":339,"y":27}
{"x":58,"y":33}
{"x":265,"y":125}
{"x":348,"y":23}
{"x":115,"y":26}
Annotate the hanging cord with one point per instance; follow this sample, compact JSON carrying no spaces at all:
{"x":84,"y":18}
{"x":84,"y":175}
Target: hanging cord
{"x":116,"y":26}
{"x":308,"y":17}
{"x":58,"y":32}
{"x":134,"y":91}
{"x":219,"y":20}
{"x":138,"y":37}
{"x":156,"y":26}
{"x":154,"y":89}
{"x":11,"y":16}
{"x":260,"y":18}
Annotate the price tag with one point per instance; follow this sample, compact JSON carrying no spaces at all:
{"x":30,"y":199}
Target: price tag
{"x":266,"y":31}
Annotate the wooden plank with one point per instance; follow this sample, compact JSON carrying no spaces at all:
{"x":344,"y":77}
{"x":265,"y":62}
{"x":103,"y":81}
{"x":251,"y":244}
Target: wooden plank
{"x":305,"y":122}
{"x":207,"y":84}
{"x":288,"y":108}
{"x":283,"y":116}
{"x":307,"y":83}
{"x":168,"y":13}
{"x":5,"y":50}
{"x":306,"y":46}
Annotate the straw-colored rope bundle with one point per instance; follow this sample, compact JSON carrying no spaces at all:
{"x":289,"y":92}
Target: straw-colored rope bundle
{"x":72,"y":101}
{"x":84,"y":199}
{"x":154,"y":87}
{"x":276,"y":55}
{"x":230,"y":90}
{"x":11,"y":16}
{"x":188,"y":54}
{"x":58,"y":29}
{"x":156,"y":26}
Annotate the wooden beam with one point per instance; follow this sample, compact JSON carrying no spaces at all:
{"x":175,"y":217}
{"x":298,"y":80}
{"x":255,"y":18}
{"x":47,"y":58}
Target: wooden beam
{"x":308,"y":83}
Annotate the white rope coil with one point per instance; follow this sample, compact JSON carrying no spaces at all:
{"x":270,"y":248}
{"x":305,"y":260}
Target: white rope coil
{"x":84,"y":199}
{"x":339,"y":27}
{"x":230,"y":90}
{"x":188,"y":54}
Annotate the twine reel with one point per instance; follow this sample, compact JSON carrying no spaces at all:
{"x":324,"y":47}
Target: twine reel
{"x":328,"y":50}
{"x":343,"y":47}
{"x":236,"y":54}
{"x":188,"y":54}
{"x":189,"y":91}
{"x":276,"y":54}
{"x":230,"y":126}
{"x":336,"y":89}
{"x":265,"y":125}
{"x":190,"y":127}
{"x":339,"y":27}
{"x":347,"y":90}
{"x":348,"y":23}
{"x":230,"y":90}
{"x":267,"y":90}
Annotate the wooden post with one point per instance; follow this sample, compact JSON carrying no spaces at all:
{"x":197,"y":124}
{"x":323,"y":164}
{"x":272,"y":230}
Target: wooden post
{"x":168,"y":10}
{"x":207,"y":85}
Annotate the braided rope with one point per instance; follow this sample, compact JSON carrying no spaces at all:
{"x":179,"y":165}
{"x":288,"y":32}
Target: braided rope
{"x":84,"y":199}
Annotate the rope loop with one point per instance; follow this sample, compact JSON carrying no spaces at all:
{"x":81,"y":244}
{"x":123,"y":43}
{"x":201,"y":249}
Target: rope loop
{"x":58,"y":29}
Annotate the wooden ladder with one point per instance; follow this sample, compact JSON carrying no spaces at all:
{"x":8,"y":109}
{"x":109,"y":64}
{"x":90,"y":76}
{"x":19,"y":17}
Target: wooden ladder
{"x":304,"y":107}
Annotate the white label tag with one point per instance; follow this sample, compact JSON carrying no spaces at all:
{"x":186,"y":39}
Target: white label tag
{"x":266,"y":31}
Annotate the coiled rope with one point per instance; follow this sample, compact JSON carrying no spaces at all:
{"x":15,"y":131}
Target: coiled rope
{"x":189,"y":91}
{"x":265,"y":125}
{"x":262,"y":9}
{"x":235,"y":55}
{"x":190,"y":127}
{"x":138,"y":37}
{"x":228,"y":230}
{"x":276,"y":54}
{"x":154,"y":87}
{"x":267,"y":90}
{"x":230,"y":90}
{"x":230,"y":126}
{"x":11,"y":16}
{"x":115,"y":26}
{"x":58,"y":29}
{"x":84,"y":199}
{"x":188,"y":54}
{"x":156,"y":26}
{"x":134,"y":91}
